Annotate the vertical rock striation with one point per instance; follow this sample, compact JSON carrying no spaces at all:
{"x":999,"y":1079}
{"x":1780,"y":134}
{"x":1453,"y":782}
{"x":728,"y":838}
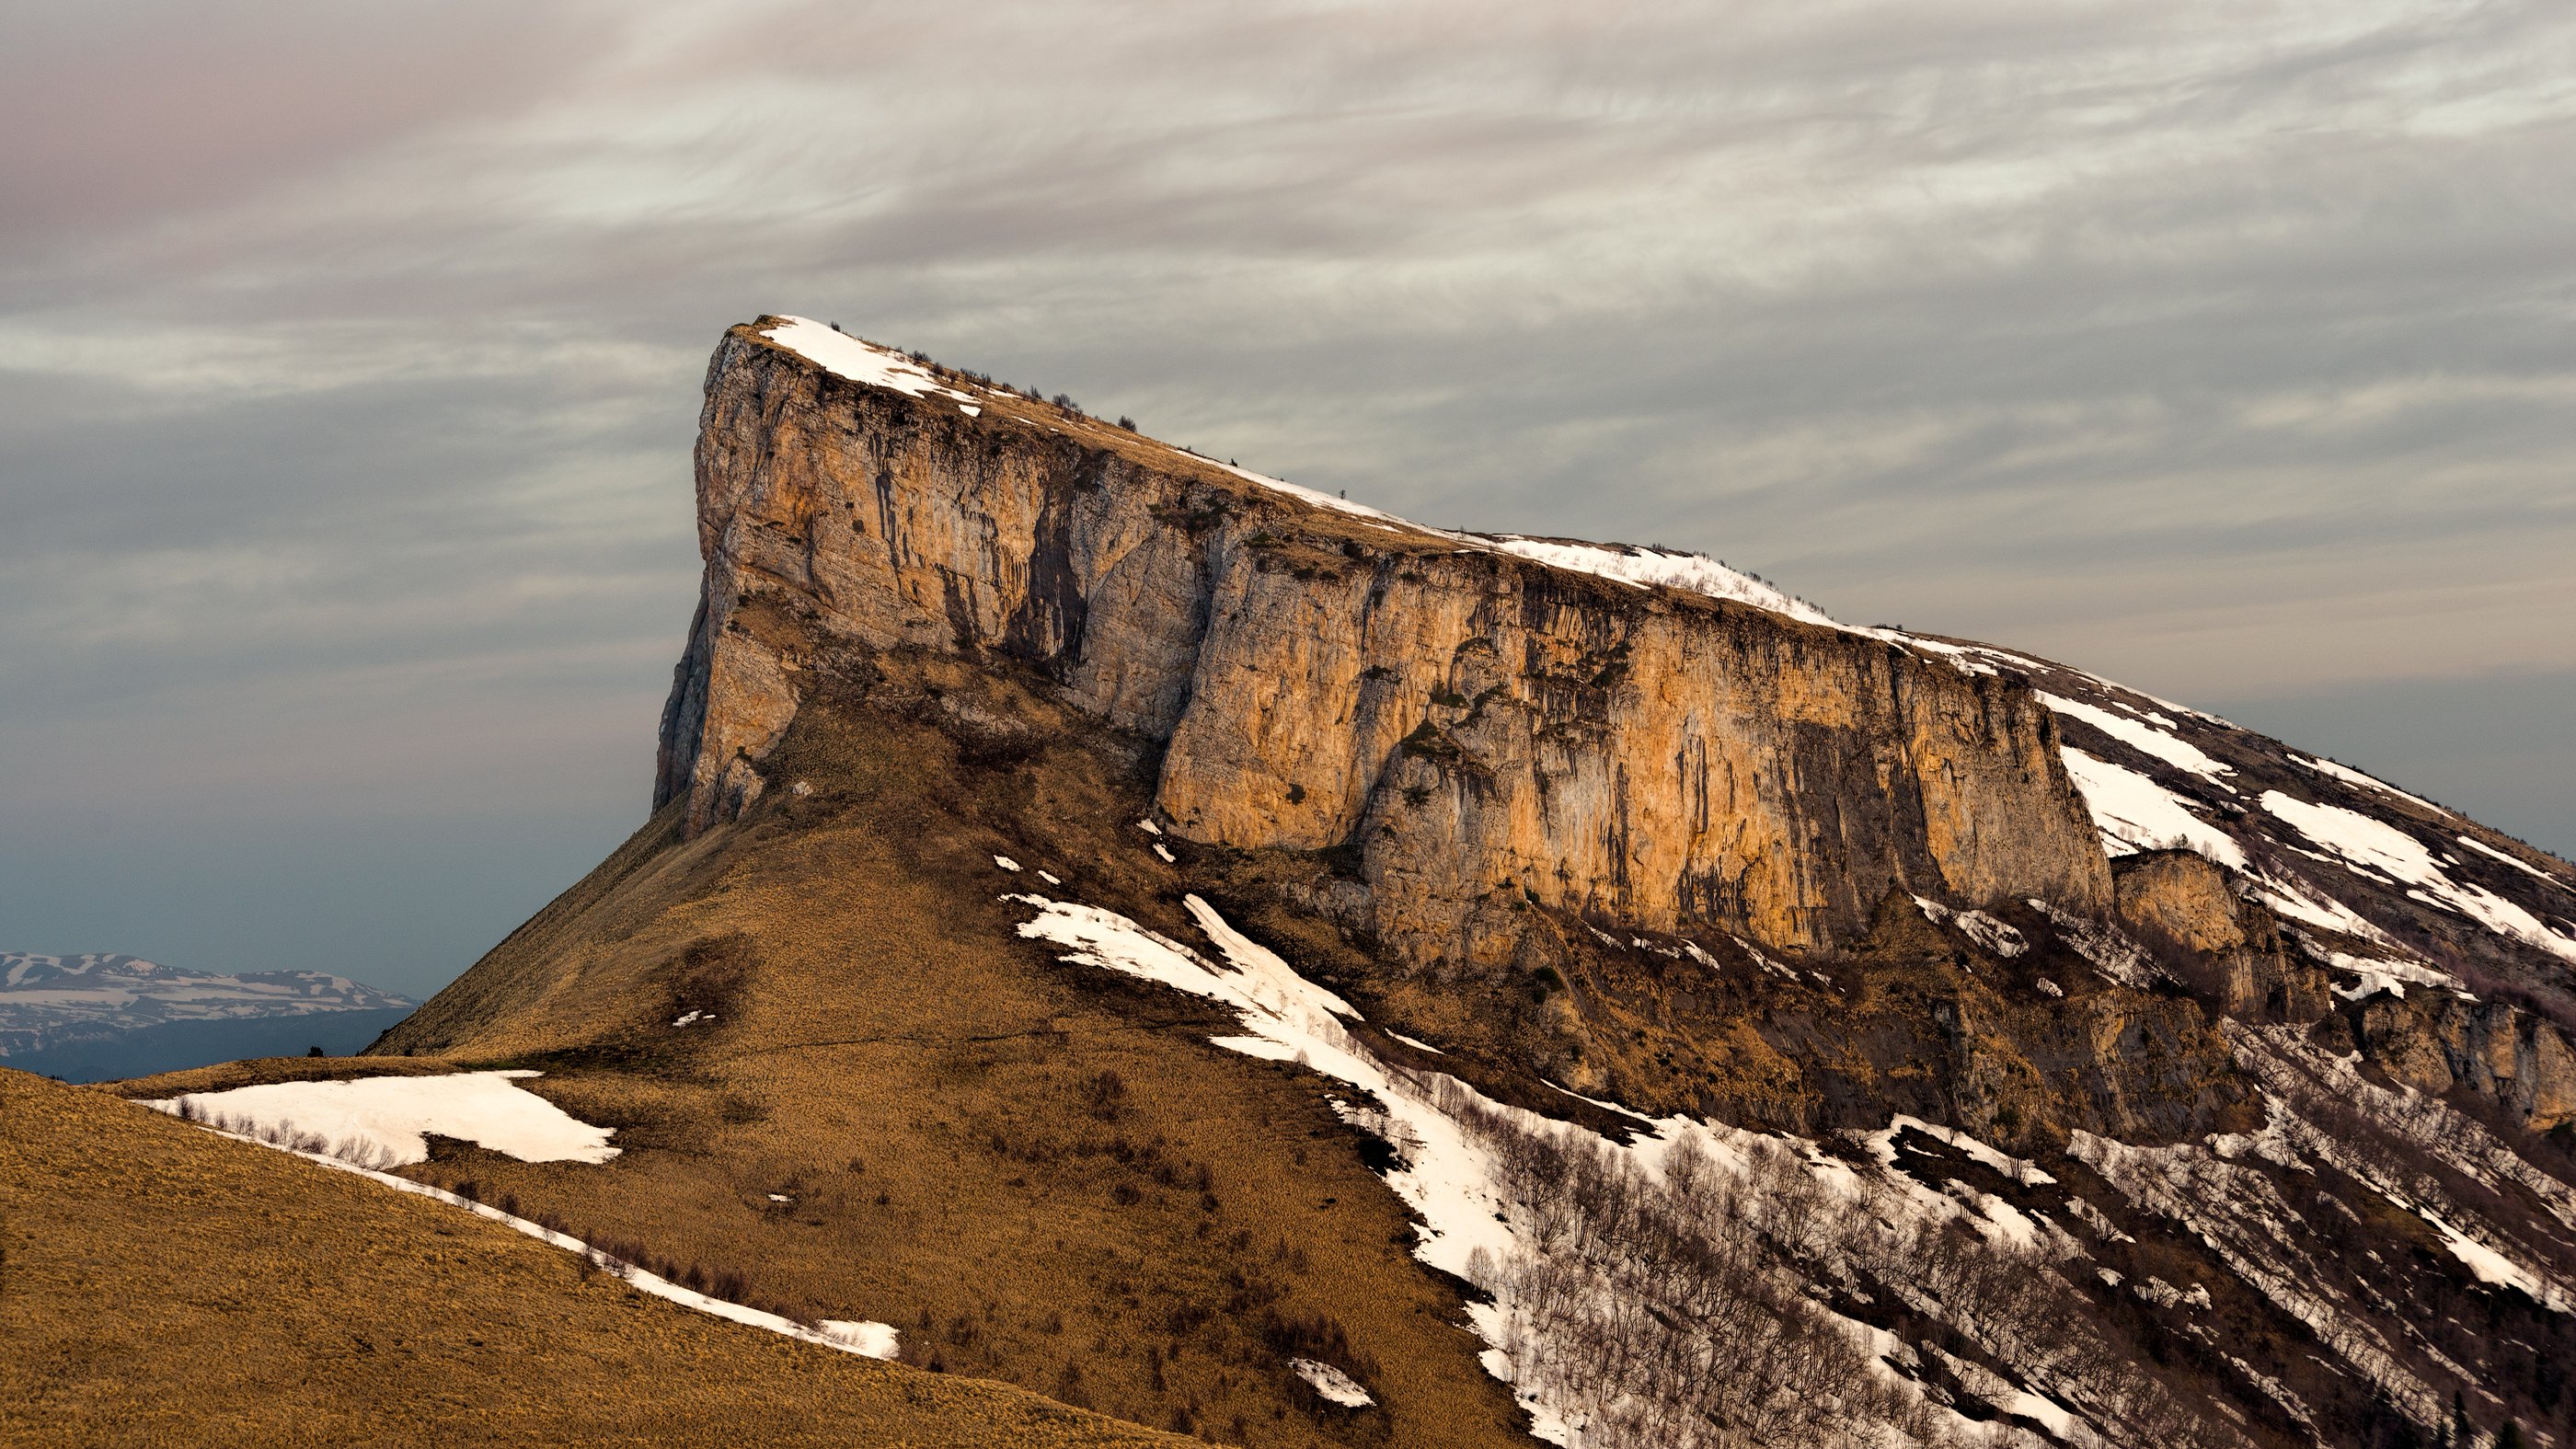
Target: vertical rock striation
{"x":1465,"y":727}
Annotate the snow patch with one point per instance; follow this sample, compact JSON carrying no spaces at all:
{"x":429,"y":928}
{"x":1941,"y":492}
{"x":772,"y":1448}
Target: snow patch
{"x":1994,"y":935}
{"x":1648,"y":567}
{"x":2302,"y":902}
{"x":1335,"y":1385}
{"x":2533,"y":871}
{"x":2355,"y":777}
{"x":2114,"y":955}
{"x":389,"y":1118}
{"x":842,"y":355}
{"x":2367,"y":842}
{"x":2140,"y":736}
{"x":1006,"y":863}
{"x":2379,"y":973}
{"x":868,"y":1339}
{"x":1882,"y":1145}
{"x":861,"y":1336}
{"x":2488,"y":1265}
{"x":2139,"y":814}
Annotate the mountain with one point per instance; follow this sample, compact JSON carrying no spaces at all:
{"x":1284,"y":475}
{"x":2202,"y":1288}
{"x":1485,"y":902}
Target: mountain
{"x":1147,"y":930}
{"x":94,"y":1016}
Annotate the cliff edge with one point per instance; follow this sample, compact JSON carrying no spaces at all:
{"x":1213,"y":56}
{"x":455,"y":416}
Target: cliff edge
{"x":1468,"y":726}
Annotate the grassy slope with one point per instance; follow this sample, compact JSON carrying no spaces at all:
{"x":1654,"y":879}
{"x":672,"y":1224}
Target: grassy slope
{"x":925,"y":1086}
{"x":163,"y":1285}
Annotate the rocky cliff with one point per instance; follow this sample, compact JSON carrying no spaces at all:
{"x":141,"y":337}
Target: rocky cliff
{"x":1055,"y":826}
{"x":1471,"y":728}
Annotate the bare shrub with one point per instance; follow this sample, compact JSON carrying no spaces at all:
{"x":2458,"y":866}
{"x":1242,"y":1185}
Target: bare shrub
{"x":1683,"y":1311}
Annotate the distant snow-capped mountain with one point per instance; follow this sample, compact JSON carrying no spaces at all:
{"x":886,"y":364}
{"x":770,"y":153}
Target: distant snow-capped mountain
{"x":53,"y":1001}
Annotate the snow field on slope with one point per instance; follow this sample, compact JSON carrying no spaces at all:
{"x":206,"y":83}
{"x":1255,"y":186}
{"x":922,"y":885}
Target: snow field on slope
{"x":2134,"y":813}
{"x":2138,"y":814}
{"x":1449,"y":1175}
{"x":1996,"y":936}
{"x":2368,"y":782}
{"x":842,"y":355}
{"x":2375,"y":846}
{"x":2143,"y":737}
{"x":386,"y":1118}
{"x":2532,"y":871}
{"x":2379,"y":973}
{"x":2236,"y":1212}
{"x":1332,"y":1383}
{"x":2210,"y":1190}
{"x":1644,"y":567}
{"x":863,"y":1337}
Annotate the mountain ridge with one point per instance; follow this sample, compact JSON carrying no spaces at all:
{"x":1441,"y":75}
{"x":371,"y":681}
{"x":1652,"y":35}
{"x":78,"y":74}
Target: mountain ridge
{"x":48,"y":1002}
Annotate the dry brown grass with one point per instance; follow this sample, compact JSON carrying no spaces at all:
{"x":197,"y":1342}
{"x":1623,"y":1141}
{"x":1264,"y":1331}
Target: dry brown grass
{"x":925,"y":1086}
{"x":166,"y":1286}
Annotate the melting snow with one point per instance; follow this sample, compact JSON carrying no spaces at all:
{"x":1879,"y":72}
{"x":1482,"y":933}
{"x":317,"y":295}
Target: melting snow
{"x":1447,"y":1175}
{"x":1644,"y":567}
{"x":2517,"y":864}
{"x":868,"y":1339}
{"x":2146,"y":738}
{"x":846,"y":356}
{"x":2302,"y":902}
{"x":2486,"y":1263}
{"x":1882,"y":1145}
{"x":2139,"y":813}
{"x":2367,"y":842}
{"x":2112,"y":954}
{"x":1985,"y":930}
{"x":692,"y":1018}
{"x":1332,"y":1383}
{"x":387,"y":1117}
{"x":1006,"y":863}
{"x":2355,"y":777}
{"x":1165,"y":852}
{"x":2379,"y":973}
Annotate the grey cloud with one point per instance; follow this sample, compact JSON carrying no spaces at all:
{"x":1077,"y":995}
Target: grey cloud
{"x":347,"y":372}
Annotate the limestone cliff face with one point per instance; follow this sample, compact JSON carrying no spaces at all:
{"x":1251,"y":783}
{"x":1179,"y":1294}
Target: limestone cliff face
{"x":1467,"y":728}
{"x":2435,"y":1042}
{"x":2184,"y":898}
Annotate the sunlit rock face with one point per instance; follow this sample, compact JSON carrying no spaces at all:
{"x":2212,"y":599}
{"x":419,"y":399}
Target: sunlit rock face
{"x":1472,"y":729}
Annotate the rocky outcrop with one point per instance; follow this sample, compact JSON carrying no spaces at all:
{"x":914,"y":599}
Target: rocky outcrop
{"x":1466,"y":729}
{"x":2227,"y":942}
{"x":2436,"y":1041}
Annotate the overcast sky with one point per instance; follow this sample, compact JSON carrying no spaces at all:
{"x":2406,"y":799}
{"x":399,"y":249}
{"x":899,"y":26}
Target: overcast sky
{"x":350,"y":356}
